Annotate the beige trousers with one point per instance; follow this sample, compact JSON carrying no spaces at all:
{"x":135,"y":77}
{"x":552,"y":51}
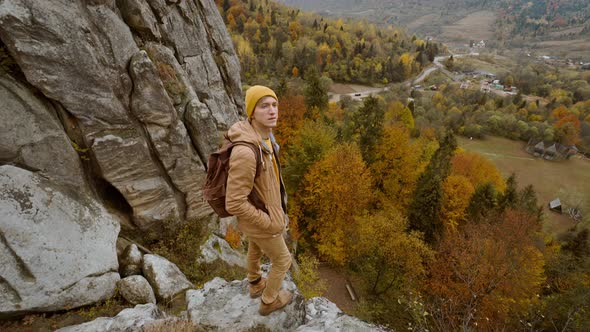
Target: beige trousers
{"x":280,"y":258}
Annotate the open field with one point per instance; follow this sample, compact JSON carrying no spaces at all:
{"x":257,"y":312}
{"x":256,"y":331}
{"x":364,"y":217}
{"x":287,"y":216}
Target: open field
{"x":475,"y":26}
{"x":573,"y":48}
{"x":423,"y":20}
{"x":547,"y":177}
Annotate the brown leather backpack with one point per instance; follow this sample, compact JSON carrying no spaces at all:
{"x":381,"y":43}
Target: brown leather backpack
{"x":214,"y":190}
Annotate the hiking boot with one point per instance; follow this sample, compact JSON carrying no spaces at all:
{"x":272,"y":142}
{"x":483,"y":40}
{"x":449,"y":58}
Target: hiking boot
{"x":257,"y":289}
{"x":282,"y":300}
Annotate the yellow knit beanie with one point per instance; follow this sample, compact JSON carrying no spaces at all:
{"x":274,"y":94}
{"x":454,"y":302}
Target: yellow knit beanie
{"x":254,"y":94}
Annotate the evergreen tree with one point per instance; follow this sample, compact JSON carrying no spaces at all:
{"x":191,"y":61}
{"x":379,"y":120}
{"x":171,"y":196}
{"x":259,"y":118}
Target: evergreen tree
{"x":510,"y":197}
{"x":367,"y":126}
{"x":527,"y":199}
{"x":282,"y":87}
{"x":316,"y":94}
{"x":424,"y":212}
{"x":483,"y":203}
{"x":579,"y":245}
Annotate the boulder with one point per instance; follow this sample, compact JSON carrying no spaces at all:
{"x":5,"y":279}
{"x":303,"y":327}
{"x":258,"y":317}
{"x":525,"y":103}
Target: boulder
{"x":130,"y":319}
{"x":227,"y":306}
{"x":131,"y":255}
{"x":136,"y":290}
{"x":217,"y":248}
{"x":130,"y":261}
{"x":57,"y":246}
{"x":165,"y":277}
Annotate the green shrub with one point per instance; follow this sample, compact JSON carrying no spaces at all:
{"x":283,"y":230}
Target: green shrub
{"x":307,"y":278}
{"x":183,"y":248}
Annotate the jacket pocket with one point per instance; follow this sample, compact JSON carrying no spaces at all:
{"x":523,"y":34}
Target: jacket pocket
{"x":277,"y":220}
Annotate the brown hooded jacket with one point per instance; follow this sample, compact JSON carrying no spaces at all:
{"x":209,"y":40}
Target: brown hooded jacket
{"x":242,"y":180}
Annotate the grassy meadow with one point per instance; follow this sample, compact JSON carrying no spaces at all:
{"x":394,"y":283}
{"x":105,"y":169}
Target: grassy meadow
{"x":550,"y":179}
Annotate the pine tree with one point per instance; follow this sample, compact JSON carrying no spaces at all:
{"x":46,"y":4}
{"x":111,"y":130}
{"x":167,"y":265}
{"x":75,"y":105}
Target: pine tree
{"x":316,"y":94}
{"x":509,"y":199}
{"x":483,"y":203}
{"x":424,"y":213}
{"x":367,"y":125}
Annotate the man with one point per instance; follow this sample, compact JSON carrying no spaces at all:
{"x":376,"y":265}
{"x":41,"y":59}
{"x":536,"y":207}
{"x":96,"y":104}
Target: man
{"x":264,"y":230}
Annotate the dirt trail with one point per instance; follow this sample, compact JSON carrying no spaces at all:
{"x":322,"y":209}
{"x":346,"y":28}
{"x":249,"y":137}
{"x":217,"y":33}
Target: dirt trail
{"x":336,"y":288}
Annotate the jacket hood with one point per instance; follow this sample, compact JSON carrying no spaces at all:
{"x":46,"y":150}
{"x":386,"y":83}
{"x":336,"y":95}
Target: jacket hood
{"x":244,"y":132}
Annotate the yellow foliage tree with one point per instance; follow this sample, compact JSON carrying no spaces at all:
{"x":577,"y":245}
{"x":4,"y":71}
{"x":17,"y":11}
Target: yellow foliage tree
{"x":407,"y":61}
{"x":397,"y":166}
{"x":397,"y":112}
{"x":457,"y":191}
{"x":387,"y":256}
{"x":337,"y":188}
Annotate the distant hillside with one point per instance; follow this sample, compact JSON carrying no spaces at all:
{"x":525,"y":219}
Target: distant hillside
{"x":276,"y":41}
{"x":518,"y":23}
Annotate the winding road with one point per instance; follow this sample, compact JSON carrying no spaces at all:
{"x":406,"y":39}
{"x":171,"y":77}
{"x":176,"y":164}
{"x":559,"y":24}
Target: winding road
{"x":436,"y":65}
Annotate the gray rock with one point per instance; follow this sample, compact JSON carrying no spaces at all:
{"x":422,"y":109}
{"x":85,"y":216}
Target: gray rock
{"x":197,"y":33}
{"x":57,"y":246}
{"x":136,"y":290}
{"x":217,"y":248}
{"x":165,"y":277}
{"x":78,"y":55}
{"x":152,"y":106}
{"x":202,"y":128}
{"x":32,"y":137}
{"x":227,"y":306}
{"x":130,"y":270}
{"x":131,"y":319}
{"x":323,"y":315}
{"x":130,"y":261}
{"x":129,"y":167}
{"x":131,"y":255}
{"x":172,"y":75}
{"x":139,"y":16}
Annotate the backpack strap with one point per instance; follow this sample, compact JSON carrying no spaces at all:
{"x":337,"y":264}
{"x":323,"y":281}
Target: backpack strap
{"x":253,"y":197}
{"x":254,"y":149}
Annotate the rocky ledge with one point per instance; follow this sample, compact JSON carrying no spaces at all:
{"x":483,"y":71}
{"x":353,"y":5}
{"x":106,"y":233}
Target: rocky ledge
{"x":226,"y":306}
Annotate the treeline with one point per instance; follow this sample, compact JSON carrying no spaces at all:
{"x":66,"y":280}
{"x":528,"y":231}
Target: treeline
{"x":434,"y":237}
{"x":538,"y":18}
{"x":274,"y":40}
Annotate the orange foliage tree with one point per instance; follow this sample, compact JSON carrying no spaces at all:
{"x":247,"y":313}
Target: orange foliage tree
{"x":486,"y":275}
{"x":337,"y":188}
{"x":567,"y":129}
{"x":291,"y":112}
{"x":477,"y":169}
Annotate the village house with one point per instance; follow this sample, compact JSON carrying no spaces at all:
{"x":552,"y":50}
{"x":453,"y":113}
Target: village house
{"x":479,"y":44}
{"x":551,"y":151}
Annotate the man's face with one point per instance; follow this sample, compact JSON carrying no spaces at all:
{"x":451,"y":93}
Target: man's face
{"x":266,"y":112}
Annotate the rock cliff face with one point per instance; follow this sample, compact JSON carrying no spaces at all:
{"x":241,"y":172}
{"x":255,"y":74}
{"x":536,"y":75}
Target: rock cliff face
{"x":104,"y":106}
{"x":142,"y":87}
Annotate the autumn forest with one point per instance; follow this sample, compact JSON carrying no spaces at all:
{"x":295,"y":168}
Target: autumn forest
{"x":434,"y":236}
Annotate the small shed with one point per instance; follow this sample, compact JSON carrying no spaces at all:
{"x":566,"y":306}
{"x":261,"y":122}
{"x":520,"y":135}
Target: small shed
{"x":555,"y":205}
